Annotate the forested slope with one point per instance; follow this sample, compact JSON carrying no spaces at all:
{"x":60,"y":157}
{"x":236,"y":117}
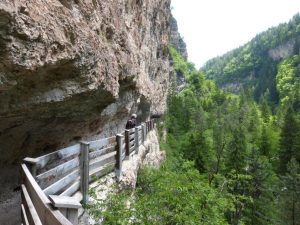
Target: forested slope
{"x":230,"y":160}
{"x":255,"y":64}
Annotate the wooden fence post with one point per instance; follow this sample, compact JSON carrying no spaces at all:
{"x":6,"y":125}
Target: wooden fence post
{"x":119,"y":155}
{"x":31,"y":164}
{"x":147,"y":126}
{"x":84,"y":171}
{"x":143,"y":132}
{"x":136,"y":139}
{"x":127,"y":140}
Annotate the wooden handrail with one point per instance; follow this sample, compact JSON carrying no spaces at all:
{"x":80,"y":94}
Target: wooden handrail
{"x":63,"y":172}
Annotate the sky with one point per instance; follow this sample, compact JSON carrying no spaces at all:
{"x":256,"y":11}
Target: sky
{"x":214,"y":27}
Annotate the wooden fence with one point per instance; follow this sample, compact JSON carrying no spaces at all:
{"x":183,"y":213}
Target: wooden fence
{"x":49,"y":182}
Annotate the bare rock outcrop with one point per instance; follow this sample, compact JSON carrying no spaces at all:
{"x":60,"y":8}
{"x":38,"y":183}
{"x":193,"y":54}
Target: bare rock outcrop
{"x":178,"y":43}
{"x":149,"y":155}
{"x":176,"y":40}
{"x":283,"y":51}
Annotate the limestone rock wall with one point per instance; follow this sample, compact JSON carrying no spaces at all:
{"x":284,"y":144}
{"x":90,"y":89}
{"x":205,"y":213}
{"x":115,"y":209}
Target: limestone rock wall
{"x":283,"y":51}
{"x":176,"y":40}
{"x":178,"y":43}
{"x":72,"y":69}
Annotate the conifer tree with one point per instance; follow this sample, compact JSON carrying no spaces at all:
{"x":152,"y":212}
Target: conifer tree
{"x":261,"y":209}
{"x":290,"y":196}
{"x":236,"y":158}
{"x":265,"y":145}
{"x":288,"y":139}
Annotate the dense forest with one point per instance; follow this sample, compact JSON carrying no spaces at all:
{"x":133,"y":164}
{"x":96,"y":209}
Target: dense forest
{"x":231,"y":159}
{"x":255,"y":64}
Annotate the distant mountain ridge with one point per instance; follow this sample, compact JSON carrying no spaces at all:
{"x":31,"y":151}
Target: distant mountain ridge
{"x":255,"y":64}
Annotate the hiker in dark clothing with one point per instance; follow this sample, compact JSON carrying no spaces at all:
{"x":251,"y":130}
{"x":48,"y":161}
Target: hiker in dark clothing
{"x":131,"y":123}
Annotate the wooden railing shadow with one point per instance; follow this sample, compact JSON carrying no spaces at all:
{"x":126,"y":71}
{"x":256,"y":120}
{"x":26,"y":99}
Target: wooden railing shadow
{"x":50,"y":183}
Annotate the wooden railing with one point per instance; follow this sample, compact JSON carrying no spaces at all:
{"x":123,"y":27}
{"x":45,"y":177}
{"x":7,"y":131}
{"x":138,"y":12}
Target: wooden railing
{"x":50,"y":182}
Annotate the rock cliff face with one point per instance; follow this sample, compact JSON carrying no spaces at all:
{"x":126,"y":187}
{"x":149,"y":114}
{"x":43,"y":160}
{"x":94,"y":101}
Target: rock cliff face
{"x":73,"y":69}
{"x":178,"y":43}
{"x":176,"y":40}
{"x":283,"y":51}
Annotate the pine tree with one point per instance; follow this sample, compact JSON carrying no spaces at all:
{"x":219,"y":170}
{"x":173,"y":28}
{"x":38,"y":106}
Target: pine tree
{"x":288,"y":139}
{"x":265,"y":145}
{"x":290,"y":196}
{"x":236,"y":158}
{"x":261,"y":210}
{"x":265,"y":109}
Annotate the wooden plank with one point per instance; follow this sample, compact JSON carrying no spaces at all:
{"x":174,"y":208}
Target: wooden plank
{"x":101,"y":161}
{"x":24,"y":216}
{"x":55,"y":158}
{"x":132,"y":143}
{"x":64,"y":202}
{"x":31,"y":212}
{"x":131,"y":136}
{"x":48,"y":216}
{"x":102,"y":142}
{"x":53,"y":175}
{"x":98,"y":143}
{"x":72,"y":188}
{"x":61,"y":184}
{"x":101,"y":152}
{"x":68,"y":205}
{"x":102,"y":170}
{"x":132,"y":148}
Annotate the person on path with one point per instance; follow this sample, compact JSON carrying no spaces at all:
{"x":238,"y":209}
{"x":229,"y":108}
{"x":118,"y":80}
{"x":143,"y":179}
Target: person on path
{"x":131,"y":123}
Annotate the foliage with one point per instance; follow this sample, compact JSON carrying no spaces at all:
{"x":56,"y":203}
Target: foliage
{"x":290,"y":196}
{"x":252,"y":66}
{"x":287,"y":79}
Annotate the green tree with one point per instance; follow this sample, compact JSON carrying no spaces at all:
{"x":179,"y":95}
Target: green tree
{"x":290,"y":195}
{"x":265,"y":144}
{"x":288,"y":137}
{"x":236,"y":155}
{"x":265,"y":109}
{"x":261,"y":209}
